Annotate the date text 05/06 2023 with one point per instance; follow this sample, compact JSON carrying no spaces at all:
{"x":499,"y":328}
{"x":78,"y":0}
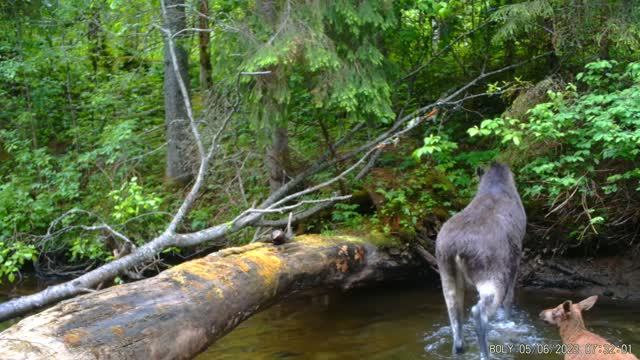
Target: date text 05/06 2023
{"x":561,"y":349}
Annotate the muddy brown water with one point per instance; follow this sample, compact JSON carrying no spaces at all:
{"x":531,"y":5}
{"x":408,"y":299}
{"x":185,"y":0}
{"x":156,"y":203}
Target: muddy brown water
{"x":400,"y":322}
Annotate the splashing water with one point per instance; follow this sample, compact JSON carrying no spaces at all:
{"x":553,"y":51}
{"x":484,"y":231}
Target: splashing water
{"x":506,"y":337}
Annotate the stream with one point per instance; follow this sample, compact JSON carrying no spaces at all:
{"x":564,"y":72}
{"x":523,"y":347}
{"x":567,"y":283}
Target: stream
{"x":397,"y":322}
{"x":407,"y":322}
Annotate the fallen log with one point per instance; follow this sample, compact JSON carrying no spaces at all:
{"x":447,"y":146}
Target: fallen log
{"x":183,"y":310}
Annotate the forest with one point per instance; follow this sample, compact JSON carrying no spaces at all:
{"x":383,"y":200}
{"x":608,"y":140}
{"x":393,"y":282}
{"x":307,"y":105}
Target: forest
{"x":136,"y":136}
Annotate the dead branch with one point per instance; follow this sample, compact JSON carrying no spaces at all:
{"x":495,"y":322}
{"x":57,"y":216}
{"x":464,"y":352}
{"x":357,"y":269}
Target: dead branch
{"x":428,"y":257}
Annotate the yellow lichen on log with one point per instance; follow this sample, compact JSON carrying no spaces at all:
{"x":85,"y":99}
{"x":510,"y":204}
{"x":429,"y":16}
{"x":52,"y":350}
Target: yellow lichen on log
{"x":199,"y":268}
{"x":268,"y":265}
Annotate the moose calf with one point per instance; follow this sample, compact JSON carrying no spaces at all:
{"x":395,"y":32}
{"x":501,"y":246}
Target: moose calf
{"x":581,"y":344}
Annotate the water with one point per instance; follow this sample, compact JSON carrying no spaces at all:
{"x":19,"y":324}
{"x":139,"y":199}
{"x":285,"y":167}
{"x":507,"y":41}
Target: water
{"x":401,"y":322}
{"x":407,"y":323}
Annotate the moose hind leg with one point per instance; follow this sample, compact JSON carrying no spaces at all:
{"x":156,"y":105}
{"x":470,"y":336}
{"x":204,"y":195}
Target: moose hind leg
{"x":507,"y":303}
{"x":455,"y":304}
{"x":490,"y":296}
{"x":460,"y":288}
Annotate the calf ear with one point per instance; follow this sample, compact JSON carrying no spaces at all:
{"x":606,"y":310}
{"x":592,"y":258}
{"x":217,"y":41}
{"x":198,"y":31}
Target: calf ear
{"x":566,"y":306}
{"x":588,"y":303}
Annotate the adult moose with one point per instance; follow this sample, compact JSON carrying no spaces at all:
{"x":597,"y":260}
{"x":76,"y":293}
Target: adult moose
{"x":481,"y":245}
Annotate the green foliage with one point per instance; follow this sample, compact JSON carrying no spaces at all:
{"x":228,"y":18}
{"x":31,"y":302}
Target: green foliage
{"x":435,"y":144}
{"x":403,"y":214}
{"x":324,"y":61}
{"x":412,"y":195}
{"x":521,"y":18}
{"x":89,"y":249}
{"x":508,"y":130}
{"x":138,"y":209}
{"x":200,"y":218}
{"x":576,"y":30}
{"x":581,"y":147}
{"x":69,"y":131}
{"x":37,"y":181}
{"x":13,"y":256}
{"x":130,"y":201}
{"x":81,"y":121}
{"x":347,"y":215}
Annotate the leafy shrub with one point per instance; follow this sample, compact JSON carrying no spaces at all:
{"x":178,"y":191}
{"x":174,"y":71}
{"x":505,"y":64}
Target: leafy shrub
{"x":347,"y":215}
{"x":416,"y":195}
{"x":578,"y":152}
{"x":13,"y":256}
{"x":138,"y":209}
{"x":88,"y":248}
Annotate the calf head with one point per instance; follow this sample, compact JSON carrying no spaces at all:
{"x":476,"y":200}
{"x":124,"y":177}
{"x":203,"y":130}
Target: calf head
{"x":567,"y":311}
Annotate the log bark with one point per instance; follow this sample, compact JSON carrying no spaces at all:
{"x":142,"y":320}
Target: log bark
{"x":180,"y":312}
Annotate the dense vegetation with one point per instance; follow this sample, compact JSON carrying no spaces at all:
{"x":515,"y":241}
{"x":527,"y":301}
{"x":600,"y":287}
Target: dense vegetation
{"x":83,"y":135}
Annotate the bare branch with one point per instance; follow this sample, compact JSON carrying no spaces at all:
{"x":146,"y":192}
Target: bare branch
{"x":372,"y":161}
{"x":324,"y":184}
{"x":298,"y":204}
{"x":251,"y":73}
{"x":102,"y":226}
{"x":296,"y":217}
{"x":484,"y":75}
{"x":110,"y":230}
{"x":428,"y":257}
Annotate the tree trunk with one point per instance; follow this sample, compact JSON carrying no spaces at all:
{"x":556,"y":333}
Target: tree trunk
{"x":97,"y":39}
{"x":180,"y":312}
{"x":176,"y":119}
{"x":277,"y":152}
{"x":204,"y":37}
{"x":267,"y":11}
{"x":277,"y":158}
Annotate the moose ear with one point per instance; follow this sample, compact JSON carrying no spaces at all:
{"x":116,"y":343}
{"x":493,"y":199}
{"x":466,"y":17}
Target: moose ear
{"x":566,"y":306}
{"x":479,"y":171}
{"x":588,"y":303}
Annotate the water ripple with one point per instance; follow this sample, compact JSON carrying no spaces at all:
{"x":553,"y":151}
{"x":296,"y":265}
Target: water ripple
{"x":512,"y":333}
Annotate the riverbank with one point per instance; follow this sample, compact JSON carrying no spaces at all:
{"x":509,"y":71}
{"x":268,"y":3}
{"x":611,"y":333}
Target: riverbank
{"x":615,"y":277}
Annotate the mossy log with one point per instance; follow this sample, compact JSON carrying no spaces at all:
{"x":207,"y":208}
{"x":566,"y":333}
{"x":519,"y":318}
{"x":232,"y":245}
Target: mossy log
{"x":183,"y":310}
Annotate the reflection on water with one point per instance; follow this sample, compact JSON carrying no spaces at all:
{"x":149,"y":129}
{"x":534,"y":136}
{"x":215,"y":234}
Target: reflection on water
{"x":406,"y":323}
